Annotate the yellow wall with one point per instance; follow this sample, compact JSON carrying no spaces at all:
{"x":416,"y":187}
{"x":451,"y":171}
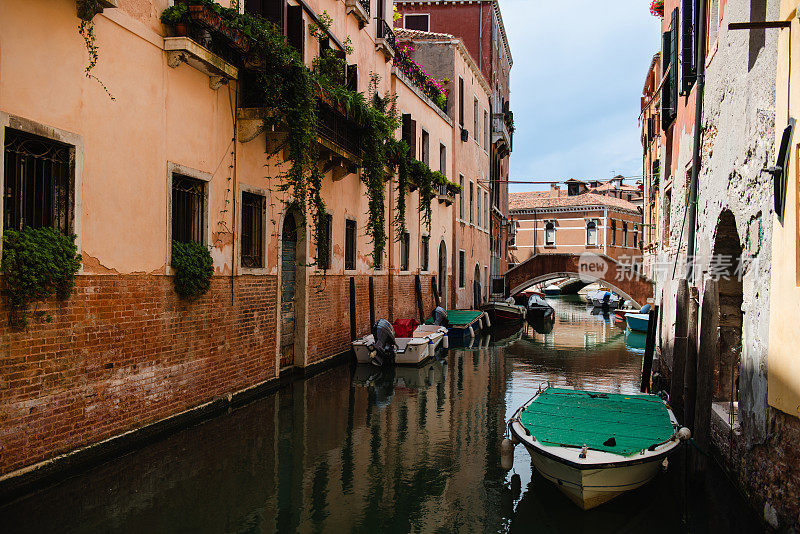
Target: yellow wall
{"x":784,"y":334}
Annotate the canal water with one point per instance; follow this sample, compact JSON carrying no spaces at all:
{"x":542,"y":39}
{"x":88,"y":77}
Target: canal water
{"x":353,"y":449}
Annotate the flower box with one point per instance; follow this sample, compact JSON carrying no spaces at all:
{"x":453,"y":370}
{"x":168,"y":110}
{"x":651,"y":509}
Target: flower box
{"x":205,"y":17}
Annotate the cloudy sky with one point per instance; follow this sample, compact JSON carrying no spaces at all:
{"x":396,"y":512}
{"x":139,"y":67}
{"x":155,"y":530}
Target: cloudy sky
{"x":578,"y":73}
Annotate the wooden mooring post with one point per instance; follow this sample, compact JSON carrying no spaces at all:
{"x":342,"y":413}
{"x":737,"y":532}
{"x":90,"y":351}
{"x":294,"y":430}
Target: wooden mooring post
{"x":435,"y":290}
{"x":690,"y":374}
{"x":352,"y":308}
{"x":371,"y":302}
{"x":649,"y":349}
{"x":418,"y":289}
{"x":707,"y":355}
{"x":679,"y":349}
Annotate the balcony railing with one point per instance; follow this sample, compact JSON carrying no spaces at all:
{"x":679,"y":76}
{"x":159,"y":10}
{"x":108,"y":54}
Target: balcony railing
{"x":385,"y":32}
{"x":500,"y":131}
{"x":334,"y":127}
{"x":405,"y":64}
{"x":365,"y":5}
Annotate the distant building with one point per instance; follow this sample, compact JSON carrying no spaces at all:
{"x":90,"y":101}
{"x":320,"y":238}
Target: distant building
{"x":574,"y":221}
{"x":479,"y":24}
{"x":651,"y":162}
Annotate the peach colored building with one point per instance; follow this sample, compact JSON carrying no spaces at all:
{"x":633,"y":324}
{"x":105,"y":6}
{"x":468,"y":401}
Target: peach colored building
{"x":651,"y":162}
{"x":468,"y":107}
{"x":574,"y":221}
{"x":180,"y":152}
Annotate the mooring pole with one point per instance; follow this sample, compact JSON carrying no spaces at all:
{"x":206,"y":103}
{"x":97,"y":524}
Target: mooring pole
{"x":371,"y":302}
{"x":435,"y":290}
{"x":352,"y":308}
{"x":679,"y":349}
{"x":649,"y":349}
{"x":418,"y":289}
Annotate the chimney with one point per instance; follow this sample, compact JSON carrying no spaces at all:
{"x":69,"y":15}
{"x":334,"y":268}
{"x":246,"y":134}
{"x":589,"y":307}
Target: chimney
{"x":554,"y":187}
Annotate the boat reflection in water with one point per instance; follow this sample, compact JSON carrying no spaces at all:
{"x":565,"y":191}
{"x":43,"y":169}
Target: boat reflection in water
{"x":635,"y":341}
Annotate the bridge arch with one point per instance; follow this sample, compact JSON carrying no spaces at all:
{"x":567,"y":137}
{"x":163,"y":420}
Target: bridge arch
{"x":619,"y":277}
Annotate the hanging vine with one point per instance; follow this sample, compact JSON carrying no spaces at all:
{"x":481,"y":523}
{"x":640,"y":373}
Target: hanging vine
{"x":87,"y":9}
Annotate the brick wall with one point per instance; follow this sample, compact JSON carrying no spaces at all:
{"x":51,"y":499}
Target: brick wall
{"x":405,"y":296}
{"x":124,"y":351}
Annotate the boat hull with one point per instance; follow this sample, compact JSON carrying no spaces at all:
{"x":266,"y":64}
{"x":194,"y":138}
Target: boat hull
{"x":638,"y":322}
{"x":588,"y":488}
{"x":504,"y":313}
{"x":552,"y":292}
{"x":415,"y":350}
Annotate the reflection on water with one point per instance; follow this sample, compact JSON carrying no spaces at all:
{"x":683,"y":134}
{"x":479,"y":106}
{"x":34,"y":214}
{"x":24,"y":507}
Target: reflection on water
{"x":355,"y":449}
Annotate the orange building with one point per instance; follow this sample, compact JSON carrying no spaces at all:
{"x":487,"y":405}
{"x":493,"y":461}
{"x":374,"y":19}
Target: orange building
{"x":651,"y":162}
{"x":573,"y":221}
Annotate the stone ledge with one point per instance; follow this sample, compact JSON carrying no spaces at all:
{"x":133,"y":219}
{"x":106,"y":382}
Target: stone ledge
{"x":185,"y":50}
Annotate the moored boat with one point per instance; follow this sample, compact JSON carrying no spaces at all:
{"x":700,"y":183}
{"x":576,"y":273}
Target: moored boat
{"x":638,"y":321}
{"x":538,"y":308}
{"x":504,"y":311}
{"x":402,"y":350}
{"x":552,"y":291}
{"x":595,"y":446}
{"x":462,"y":325}
{"x":603,"y":298}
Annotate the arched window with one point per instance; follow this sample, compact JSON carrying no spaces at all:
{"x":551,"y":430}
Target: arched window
{"x":550,"y":233}
{"x":591,"y":234}
{"x":624,"y":234}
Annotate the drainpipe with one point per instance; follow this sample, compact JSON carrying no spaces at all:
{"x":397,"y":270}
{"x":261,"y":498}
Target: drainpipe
{"x":605,"y":231}
{"x":698,"y":124}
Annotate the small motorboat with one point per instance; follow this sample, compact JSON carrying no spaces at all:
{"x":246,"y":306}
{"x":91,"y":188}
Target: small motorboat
{"x":595,"y":446}
{"x":462,"y":325}
{"x":538,"y":308}
{"x":382,"y":348}
{"x":552,"y":291}
{"x":622,"y":314}
{"x":603,"y":298}
{"x":504,"y":311}
{"x":638,"y":321}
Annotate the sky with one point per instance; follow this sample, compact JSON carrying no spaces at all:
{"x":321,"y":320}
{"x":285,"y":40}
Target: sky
{"x":578,"y":73}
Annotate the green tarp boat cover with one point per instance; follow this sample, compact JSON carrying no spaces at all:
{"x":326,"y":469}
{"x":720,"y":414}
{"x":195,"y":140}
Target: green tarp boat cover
{"x":459,"y":317}
{"x":576,"y":418}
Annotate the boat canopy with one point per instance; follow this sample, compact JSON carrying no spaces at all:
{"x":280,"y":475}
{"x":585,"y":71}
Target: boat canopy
{"x":616,"y":423}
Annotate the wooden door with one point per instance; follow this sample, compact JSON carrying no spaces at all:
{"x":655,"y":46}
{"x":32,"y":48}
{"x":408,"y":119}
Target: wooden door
{"x":288,"y":285}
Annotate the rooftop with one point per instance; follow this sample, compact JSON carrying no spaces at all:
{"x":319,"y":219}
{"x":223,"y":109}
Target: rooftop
{"x":559,"y":199}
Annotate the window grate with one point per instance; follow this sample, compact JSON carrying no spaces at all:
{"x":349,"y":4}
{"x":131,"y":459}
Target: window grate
{"x":38,"y":182}
{"x":188,"y":209}
{"x":252,"y":230}
{"x":350,"y":245}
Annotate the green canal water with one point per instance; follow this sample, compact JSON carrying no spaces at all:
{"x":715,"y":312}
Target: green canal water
{"x":406,"y":450}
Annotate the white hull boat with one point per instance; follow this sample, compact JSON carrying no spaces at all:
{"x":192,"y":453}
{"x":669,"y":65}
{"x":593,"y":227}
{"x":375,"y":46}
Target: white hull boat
{"x":588,"y":476}
{"x":410,"y":350}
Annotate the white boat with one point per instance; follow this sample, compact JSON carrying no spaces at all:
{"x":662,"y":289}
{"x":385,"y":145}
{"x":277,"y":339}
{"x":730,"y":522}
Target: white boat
{"x":588,"y":472}
{"x":409,"y":351}
{"x":603,"y":298}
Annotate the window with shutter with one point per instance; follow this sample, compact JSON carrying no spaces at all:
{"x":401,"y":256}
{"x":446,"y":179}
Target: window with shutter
{"x":410,"y":134}
{"x":426,"y":149}
{"x":295,"y":29}
{"x":688,"y":67}
{"x":666,"y":72}
{"x":352,"y":78}
{"x":673,"y":79}
{"x":417,"y":22}
{"x":461,"y":101}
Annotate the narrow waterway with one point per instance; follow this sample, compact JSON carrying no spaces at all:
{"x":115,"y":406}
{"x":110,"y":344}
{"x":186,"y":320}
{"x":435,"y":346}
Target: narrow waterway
{"x":352,"y":449}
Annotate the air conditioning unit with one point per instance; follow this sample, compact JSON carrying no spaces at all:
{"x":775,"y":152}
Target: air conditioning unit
{"x":464,"y":134}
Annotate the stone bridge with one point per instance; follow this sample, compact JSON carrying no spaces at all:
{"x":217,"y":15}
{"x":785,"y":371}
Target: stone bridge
{"x":587,"y":267}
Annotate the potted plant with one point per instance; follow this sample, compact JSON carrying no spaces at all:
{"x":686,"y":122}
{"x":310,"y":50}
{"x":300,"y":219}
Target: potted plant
{"x":657,"y":8}
{"x":175,"y":16}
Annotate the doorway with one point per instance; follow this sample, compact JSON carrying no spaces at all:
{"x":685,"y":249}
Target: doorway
{"x":443,"y":274}
{"x":288,"y":290}
{"x":477,"y":289}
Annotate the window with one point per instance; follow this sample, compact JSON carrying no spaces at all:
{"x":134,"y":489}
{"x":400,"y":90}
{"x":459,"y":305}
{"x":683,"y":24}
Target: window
{"x":417,"y":22}
{"x":461,"y":101}
{"x":442,"y":159}
{"x":471,"y":202}
{"x":485,"y":210}
{"x":252,"y":251}
{"x":352,"y":78}
{"x":423,"y":252}
{"x":550,"y":233}
{"x":478,"y":210}
{"x":667,"y":212}
{"x":624,"y":234}
{"x":475,"y":120}
{"x":426,"y":149}
{"x":613,"y":231}
{"x":462,"y":260}
{"x":591,"y":234}
{"x":461,"y":197}
{"x":38,"y":182}
{"x":485,"y":130}
{"x":350,"y":245}
{"x":669,"y":55}
{"x":635,"y":239}
{"x":405,"y":242}
{"x":324,"y":255}
{"x":688,"y":46}
{"x":188,"y":209}
{"x":409,"y":134}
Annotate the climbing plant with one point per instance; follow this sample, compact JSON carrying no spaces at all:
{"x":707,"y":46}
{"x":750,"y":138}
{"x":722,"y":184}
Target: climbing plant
{"x":87,"y":9}
{"x":37,"y":263}
{"x":193,"y":269}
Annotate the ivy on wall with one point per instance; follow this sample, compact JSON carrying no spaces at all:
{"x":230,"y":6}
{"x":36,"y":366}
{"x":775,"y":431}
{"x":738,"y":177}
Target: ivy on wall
{"x":193,"y":267}
{"x":37,"y":263}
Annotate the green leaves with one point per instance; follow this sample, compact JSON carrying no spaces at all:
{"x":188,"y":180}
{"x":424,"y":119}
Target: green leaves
{"x":37,"y":263}
{"x":193,"y":269}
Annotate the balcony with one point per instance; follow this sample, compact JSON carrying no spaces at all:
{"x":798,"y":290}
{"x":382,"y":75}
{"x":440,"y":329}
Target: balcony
{"x":385,"y":41}
{"x":359,"y":9}
{"x":445,"y":195}
{"x":99,"y":6}
{"x":500,"y":133}
{"x":411,"y":70}
{"x":186,"y":50}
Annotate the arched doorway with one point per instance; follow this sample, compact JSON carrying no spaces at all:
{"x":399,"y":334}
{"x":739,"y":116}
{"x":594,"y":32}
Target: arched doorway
{"x":725,"y":266}
{"x":477,"y":286}
{"x":443,"y":274}
{"x":291,"y":254}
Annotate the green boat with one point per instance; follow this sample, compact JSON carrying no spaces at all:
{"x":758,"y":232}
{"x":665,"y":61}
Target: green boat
{"x":595,"y":446}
